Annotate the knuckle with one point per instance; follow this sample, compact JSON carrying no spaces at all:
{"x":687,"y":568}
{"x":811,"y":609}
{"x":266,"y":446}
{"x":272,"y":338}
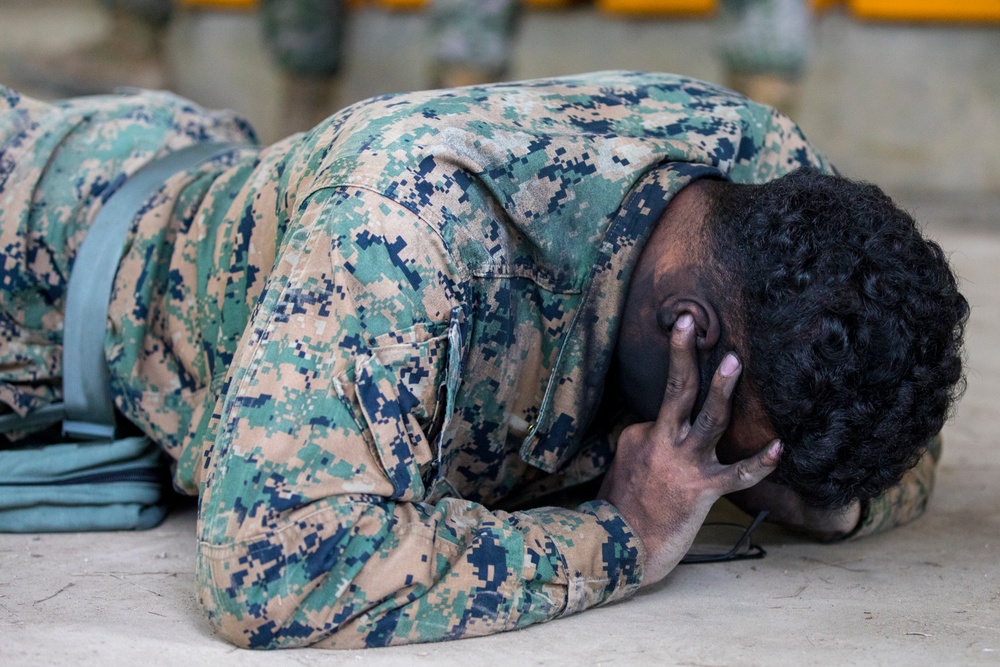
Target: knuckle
{"x":630,"y":435}
{"x":710,"y":422}
{"x":675,"y":388}
{"x":746,"y":474}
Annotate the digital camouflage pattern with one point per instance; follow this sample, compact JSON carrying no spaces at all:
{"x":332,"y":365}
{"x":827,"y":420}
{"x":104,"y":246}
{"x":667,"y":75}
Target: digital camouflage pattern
{"x":907,"y":500}
{"x":477,"y":34}
{"x":58,"y":165}
{"x":305,"y":37}
{"x":770,"y":37}
{"x":370,"y":346}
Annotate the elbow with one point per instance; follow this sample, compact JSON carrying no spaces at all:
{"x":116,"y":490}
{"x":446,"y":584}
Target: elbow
{"x":237,"y":609}
{"x":290,"y":587}
{"x":244,"y":592}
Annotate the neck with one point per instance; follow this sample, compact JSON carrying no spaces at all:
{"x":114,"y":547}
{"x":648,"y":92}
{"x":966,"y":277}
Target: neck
{"x":667,"y":265}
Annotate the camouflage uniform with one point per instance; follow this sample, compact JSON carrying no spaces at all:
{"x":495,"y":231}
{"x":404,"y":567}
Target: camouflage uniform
{"x":474,"y":34}
{"x":371,"y":346}
{"x":305,"y":37}
{"x":766,"y":36}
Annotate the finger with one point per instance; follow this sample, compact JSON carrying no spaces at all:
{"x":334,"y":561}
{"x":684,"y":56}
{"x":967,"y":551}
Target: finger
{"x":714,"y":415}
{"x":681,"y":391}
{"x":750,"y":471}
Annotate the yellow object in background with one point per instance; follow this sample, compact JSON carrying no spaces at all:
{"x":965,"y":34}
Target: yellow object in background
{"x":402,"y":4}
{"x":530,"y":4}
{"x":656,"y":6}
{"x":248,"y":5}
{"x":220,"y":4}
{"x":928,"y":10}
{"x":663,"y":7}
{"x":551,"y":4}
{"x":900,"y":10}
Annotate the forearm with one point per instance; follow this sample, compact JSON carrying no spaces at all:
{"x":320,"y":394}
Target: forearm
{"x":321,"y":520}
{"x":356,"y":571}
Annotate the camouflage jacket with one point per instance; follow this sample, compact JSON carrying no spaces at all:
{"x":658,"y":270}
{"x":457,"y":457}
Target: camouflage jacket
{"x":369,"y":347}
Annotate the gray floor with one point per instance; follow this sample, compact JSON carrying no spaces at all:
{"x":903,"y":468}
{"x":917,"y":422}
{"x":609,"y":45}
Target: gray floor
{"x":928,"y":594}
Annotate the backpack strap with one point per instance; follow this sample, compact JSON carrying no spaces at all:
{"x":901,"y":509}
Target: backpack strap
{"x":88,"y":410}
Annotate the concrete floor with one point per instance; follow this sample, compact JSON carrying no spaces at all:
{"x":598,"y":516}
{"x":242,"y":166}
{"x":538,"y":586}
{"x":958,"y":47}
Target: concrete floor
{"x":927,"y":594}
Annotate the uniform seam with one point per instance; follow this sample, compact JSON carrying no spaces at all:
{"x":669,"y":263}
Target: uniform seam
{"x":463,"y":273}
{"x":407,"y":528}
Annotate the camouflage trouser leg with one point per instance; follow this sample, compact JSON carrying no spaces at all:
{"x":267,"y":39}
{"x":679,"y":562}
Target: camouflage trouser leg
{"x":477,"y":34}
{"x":156,"y":12}
{"x":305,"y":37}
{"x":765,"y":37}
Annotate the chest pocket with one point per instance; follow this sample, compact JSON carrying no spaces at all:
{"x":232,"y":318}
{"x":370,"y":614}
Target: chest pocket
{"x":399,"y":385}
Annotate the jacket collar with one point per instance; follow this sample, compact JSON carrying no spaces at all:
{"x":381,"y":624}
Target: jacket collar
{"x":576,"y":385}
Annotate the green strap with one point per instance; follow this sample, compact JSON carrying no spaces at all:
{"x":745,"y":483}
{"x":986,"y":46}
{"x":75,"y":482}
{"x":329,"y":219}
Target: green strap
{"x":90,"y":410}
{"x":87,"y":409}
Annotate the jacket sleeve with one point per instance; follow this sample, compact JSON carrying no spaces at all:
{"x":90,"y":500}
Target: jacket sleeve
{"x":313,"y":528}
{"x":905,"y":501}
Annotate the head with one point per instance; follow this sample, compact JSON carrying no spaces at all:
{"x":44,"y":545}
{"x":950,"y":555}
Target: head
{"x":848,"y":322}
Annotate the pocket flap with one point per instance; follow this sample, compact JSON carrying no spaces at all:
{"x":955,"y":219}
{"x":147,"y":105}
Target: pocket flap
{"x":397,"y":389}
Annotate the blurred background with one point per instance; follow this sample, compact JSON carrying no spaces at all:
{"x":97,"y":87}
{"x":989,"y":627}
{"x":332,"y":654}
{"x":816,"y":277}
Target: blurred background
{"x":905,"y":93}
{"x":902,"y":92}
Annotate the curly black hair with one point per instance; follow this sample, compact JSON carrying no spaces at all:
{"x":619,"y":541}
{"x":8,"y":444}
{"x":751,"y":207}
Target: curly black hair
{"x":849,"y":323}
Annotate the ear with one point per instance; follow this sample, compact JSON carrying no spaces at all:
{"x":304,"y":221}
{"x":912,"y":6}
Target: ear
{"x":706,"y":318}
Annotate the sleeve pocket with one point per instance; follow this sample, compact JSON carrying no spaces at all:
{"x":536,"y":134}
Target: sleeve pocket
{"x":397,"y":384}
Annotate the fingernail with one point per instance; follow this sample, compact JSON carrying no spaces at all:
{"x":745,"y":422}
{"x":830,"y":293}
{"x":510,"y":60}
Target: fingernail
{"x":684,"y":321}
{"x":774,"y":451}
{"x":729,"y":365}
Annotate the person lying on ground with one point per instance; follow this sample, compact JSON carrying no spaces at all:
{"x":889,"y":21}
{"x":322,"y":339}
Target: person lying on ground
{"x":377,"y":349}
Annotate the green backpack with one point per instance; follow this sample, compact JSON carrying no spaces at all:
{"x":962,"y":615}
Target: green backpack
{"x":88,"y":475}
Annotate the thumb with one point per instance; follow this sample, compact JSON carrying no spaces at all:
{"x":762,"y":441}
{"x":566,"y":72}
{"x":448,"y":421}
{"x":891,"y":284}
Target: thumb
{"x":748,"y":472}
